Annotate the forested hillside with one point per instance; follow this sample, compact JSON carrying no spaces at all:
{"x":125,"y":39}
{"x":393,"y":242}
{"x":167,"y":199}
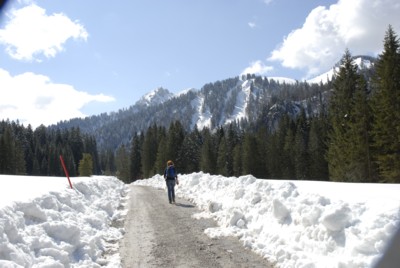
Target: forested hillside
{"x":346,"y":129}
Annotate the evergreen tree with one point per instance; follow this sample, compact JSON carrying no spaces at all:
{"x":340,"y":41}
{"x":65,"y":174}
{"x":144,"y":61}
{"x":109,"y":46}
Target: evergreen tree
{"x":107,"y":162}
{"x":231,"y":141}
{"x":222,"y":158}
{"x":161,"y":155}
{"x":346,"y":137}
{"x":317,"y":148}
{"x":359,"y":133}
{"x":237,"y":160}
{"x":176,"y":135}
{"x":301,"y":156}
{"x":149,"y":152}
{"x":122,"y":163}
{"x":189,"y":154}
{"x":135,"y":158}
{"x":386,"y":110}
{"x":86,"y":165}
{"x":261,"y":140}
{"x":252,"y":162}
{"x":77,"y":146}
{"x":208,"y":153}
{"x":288,"y":166}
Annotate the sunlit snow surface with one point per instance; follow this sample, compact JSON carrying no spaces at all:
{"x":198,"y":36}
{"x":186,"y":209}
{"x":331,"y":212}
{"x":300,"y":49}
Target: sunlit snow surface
{"x":297,"y":223}
{"x":44,"y":223}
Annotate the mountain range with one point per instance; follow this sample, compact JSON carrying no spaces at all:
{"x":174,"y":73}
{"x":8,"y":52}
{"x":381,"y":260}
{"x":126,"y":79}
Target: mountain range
{"x":241,"y":100}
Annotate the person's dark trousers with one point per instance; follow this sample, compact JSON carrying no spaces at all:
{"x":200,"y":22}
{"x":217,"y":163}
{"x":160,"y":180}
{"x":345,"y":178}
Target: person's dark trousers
{"x":171,"y":190}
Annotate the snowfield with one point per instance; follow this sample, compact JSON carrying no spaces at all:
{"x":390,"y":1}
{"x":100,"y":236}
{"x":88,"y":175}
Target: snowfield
{"x":297,"y":223}
{"x":44,"y":223}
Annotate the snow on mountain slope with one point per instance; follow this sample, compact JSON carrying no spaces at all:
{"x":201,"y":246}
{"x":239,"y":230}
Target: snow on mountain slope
{"x":282,"y":80}
{"x":186,"y":91}
{"x":240,"y":105}
{"x":155,"y":97}
{"x":363,"y":62}
{"x":202,"y":116}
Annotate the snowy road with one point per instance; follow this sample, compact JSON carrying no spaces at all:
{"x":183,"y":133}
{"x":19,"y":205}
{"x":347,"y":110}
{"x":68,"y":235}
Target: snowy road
{"x":162,"y":235}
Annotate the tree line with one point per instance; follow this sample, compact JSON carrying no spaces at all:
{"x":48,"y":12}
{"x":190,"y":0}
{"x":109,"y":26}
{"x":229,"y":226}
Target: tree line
{"x":356,"y":138}
{"x":27,"y":152}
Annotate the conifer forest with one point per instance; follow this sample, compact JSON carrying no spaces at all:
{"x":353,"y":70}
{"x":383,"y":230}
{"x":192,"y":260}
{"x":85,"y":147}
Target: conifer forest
{"x":353,"y":136}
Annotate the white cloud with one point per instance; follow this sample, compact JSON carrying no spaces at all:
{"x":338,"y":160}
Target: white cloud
{"x":252,"y":24}
{"x":29,"y":32}
{"x":34,"y":99}
{"x":257,"y":67}
{"x":358,"y":25}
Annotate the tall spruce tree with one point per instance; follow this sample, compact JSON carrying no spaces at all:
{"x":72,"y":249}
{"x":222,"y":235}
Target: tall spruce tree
{"x":149,"y":152}
{"x":86,"y":165}
{"x":252,"y":162}
{"x":175,"y":137}
{"x":347,"y":137}
{"x":386,"y":110}
{"x":162,"y":156}
{"x":122,"y":163}
{"x":222,"y":158}
{"x":317,"y":147}
{"x":237,"y":160}
{"x":135,"y":158}
{"x":301,"y":153}
{"x":189,"y":155}
{"x":359,"y":133}
{"x":208,"y":156}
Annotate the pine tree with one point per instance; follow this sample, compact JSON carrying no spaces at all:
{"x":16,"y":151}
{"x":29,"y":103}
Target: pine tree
{"x":237,"y":160}
{"x":222,"y":159}
{"x":231,"y":141}
{"x":162,"y":156}
{"x":122,"y":163}
{"x":189,"y":155}
{"x":175,"y":137}
{"x":135,"y":158}
{"x":287,"y":166}
{"x":386,"y":110}
{"x":359,"y":133}
{"x":252,"y":162}
{"x":301,"y":154}
{"x":208,"y":153}
{"x":317,"y":148}
{"x":149,"y":152}
{"x":77,"y":147}
{"x":346,"y":137}
{"x":261,"y":140}
{"x":86,"y":165}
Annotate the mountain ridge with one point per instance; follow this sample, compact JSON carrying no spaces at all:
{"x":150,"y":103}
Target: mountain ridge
{"x":239,"y":100}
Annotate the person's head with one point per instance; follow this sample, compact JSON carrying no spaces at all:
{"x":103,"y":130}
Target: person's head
{"x":170,"y":163}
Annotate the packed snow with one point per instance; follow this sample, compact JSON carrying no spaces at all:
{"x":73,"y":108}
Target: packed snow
{"x":45,"y":223}
{"x":296,"y":223}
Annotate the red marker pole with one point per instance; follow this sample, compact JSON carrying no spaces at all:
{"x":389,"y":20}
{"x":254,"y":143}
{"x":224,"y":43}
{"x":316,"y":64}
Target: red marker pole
{"x":65,"y":170}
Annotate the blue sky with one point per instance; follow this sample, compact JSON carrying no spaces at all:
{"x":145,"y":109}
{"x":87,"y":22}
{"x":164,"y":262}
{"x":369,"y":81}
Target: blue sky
{"x":64,"y":59}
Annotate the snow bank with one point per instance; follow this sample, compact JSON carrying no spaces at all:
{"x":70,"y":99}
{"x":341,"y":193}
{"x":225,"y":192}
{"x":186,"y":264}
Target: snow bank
{"x":60,"y":227}
{"x":297,"y":223}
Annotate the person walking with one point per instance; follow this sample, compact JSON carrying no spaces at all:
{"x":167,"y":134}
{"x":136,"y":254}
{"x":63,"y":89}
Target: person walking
{"x":171,"y":178}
